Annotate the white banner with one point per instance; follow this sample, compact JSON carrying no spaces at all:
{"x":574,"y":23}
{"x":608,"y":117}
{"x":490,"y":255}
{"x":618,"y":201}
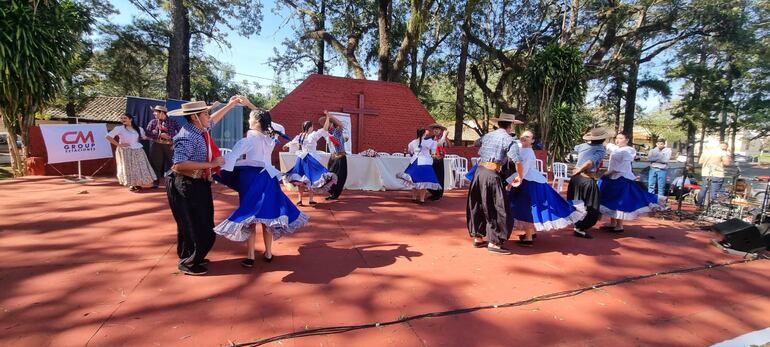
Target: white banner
{"x":347,"y":132}
{"x":73,"y":142}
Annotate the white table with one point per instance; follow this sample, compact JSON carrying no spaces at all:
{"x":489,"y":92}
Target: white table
{"x":366,"y":173}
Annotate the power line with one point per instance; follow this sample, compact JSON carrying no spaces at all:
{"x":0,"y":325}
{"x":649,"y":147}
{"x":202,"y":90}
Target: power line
{"x":260,"y":77}
{"x":550,"y":296}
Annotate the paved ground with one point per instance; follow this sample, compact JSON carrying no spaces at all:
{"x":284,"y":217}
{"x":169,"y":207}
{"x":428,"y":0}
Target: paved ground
{"x":95,"y":265}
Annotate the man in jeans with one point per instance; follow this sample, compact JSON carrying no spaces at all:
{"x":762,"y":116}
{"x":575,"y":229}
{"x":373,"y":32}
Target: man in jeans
{"x":713,"y":171}
{"x":659,"y":157}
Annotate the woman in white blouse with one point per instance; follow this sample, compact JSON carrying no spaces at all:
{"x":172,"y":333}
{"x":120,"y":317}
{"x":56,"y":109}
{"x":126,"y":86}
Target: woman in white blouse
{"x":535,"y":205}
{"x":134,"y":170}
{"x":621,"y":197}
{"x":262,"y":202}
{"x":308,"y":174}
{"x":419,"y":175}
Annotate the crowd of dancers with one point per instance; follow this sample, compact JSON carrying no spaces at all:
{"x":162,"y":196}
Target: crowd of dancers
{"x":507,"y":191}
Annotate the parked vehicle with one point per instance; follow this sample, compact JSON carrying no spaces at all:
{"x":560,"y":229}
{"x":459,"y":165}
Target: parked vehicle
{"x":740,"y":158}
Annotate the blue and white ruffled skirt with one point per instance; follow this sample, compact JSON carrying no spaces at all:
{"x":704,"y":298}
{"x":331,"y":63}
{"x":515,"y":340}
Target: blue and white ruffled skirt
{"x":622,"y":198}
{"x":541,"y":205}
{"x":419,"y":176}
{"x":261,"y":202}
{"x":311,"y":173}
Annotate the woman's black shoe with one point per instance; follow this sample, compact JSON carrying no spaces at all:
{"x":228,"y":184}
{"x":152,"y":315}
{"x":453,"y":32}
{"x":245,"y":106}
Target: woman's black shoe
{"x":247,"y":263}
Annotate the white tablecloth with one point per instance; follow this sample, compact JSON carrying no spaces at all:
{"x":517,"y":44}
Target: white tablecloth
{"x":366,"y":173}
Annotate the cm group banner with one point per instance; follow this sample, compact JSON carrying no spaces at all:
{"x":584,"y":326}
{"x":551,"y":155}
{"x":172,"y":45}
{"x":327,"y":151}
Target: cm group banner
{"x":73,"y":142}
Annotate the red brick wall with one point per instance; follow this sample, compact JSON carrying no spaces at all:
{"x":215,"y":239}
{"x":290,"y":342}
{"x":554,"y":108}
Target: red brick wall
{"x":400,"y":112}
{"x":37,"y":149}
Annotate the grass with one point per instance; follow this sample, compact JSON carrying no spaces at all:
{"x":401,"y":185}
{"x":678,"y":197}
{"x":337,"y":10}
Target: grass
{"x":764,"y":157}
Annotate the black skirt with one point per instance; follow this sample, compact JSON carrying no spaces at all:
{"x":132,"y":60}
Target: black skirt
{"x":488,"y":212}
{"x":438,"y":168}
{"x":586,"y":190}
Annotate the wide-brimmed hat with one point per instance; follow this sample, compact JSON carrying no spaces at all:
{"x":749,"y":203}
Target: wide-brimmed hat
{"x":506,"y":117}
{"x":597,"y":134}
{"x":159,"y":108}
{"x":436,"y":125}
{"x":190,"y":108}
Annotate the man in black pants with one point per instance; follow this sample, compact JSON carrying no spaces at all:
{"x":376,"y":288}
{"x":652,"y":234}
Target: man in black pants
{"x":161,"y":130}
{"x":338,"y":163}
{"x":439,"y":135}
{"x":189,"y":186}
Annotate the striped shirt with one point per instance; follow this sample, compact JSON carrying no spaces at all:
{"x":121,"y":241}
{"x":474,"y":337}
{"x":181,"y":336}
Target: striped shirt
{"x":497,"y":145}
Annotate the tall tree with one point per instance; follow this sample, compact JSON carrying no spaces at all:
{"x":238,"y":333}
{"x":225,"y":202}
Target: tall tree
{"x":40,"y":41}
{"x":202,"y":20}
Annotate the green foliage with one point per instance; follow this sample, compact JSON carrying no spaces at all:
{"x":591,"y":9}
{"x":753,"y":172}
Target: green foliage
{"x":38,"y":45}
{"x":571,"y":123}
{"x":557,"y":87}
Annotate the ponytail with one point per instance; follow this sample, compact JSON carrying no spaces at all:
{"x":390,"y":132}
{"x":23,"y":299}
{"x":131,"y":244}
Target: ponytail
{"x":420,"y":135}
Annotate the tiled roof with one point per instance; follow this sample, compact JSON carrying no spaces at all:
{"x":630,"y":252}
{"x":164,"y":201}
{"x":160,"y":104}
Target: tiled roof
{"x":99,"y":109}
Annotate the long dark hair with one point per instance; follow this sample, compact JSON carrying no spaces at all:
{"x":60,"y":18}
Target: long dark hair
{"x":420,"y":135}
{"x":265,"y":121}
{"x":306,"y":126}
{"x":133,"y":123}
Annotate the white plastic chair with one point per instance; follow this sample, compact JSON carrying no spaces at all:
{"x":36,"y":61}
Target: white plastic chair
{"x":383,"y":154}
{"x":398,"y":154}
{"x":539,"y":164}
{"x":460,"y":168}
{"x":225,"y":151}
{"x":560,"y":175}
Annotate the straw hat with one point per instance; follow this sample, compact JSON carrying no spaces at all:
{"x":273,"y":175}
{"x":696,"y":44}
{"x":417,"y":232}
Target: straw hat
{"x":436,"y":125}
{"x":159,"y":108}
{"x":190,"y":108}
{"x":597,"y":134}
{"x":506,"y":117}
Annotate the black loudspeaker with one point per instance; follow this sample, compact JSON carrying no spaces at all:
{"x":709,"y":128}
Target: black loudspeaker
{"x":764,"y":230}
{"x":740,"y":236}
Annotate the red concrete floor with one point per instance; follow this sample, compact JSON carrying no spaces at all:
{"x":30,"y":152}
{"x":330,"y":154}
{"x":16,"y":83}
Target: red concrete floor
{"x":96,"y":265}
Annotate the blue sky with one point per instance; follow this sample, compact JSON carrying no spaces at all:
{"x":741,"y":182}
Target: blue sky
{"x":249,"y":56}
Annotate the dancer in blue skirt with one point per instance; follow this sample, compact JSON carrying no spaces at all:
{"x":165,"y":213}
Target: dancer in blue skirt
{"x":308,"y":174}
{"x":419,"y":175}
{"x":534,"y":203}
{"x":261,"y":201}
{"x":621,"y":197}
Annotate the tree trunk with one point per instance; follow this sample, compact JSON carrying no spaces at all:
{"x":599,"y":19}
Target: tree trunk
{"x":178,"y":44}
{"x":321,"y":44}
{"x":702,"y":137}
{"x":691,"y":144}
{"x":460,"y":95}
{"x":631,"y":88}
{"x":734,"y":128}
{"x":17,"y":158}
{"x":618,"y":91}
{"x":413,"y":75}
{"x":186,"y":85}
{"x":383,"y":21}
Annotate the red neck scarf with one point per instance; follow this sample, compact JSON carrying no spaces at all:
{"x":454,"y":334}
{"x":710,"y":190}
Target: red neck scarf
{"x":212,"y":151}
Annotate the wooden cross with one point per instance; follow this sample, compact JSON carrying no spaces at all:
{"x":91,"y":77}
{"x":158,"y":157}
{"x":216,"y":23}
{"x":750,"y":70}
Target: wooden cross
{"x":361,"y":111}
